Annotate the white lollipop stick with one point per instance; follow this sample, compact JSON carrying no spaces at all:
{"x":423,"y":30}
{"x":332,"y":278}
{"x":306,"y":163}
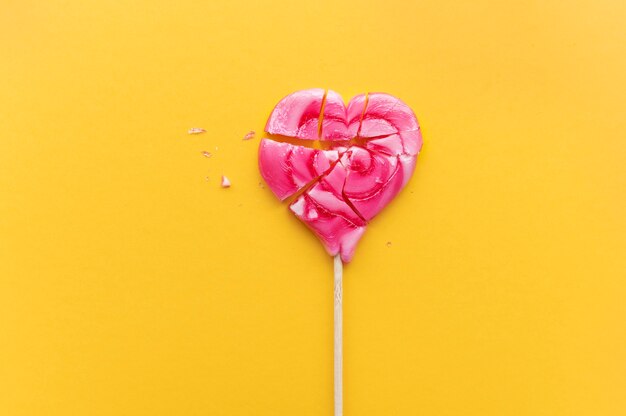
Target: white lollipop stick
{"x":338,"y":339}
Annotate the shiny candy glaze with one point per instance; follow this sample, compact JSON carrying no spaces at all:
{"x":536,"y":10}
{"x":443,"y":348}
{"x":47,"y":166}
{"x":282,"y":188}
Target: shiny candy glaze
{"x":288,"y":168}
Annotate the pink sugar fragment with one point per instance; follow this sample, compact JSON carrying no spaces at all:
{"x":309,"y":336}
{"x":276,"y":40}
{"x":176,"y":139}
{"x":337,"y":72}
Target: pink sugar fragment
{"x":225,"y":182}
{"x":196,"y":130}
{"x":249,"y":135}
{"x":206,"y":154}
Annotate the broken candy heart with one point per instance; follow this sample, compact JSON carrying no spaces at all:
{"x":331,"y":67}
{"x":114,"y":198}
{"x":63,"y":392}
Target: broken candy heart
{"x":344,"y":187}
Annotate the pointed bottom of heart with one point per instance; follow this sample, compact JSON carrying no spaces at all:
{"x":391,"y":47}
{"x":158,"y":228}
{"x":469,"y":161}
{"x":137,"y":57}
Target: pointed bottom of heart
{"x":331,"y":219}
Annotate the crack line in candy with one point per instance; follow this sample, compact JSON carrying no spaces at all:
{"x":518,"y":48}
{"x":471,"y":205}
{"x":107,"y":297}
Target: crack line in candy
{"x":320,"y":118}
{"x":389,"y":110}
{"x":367,"y":100}
{"x":350,"y":204}
{"x":311,"y":144}
{"x":293,"y":140}
{"x":382,"y":136}
{"x":321,"y":144}
{"x":369,"y":196}
{"x":323,"y":208}
{"x":310,"y":184}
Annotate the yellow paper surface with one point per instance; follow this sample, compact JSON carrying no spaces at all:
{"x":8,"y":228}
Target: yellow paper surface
{"x":130,"y":284}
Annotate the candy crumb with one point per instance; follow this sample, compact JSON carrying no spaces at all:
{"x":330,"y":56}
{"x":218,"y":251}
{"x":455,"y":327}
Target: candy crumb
{"x":388,"y":243}
{"x":225,"y":182}
{"x":196,"y":130}
{"x":249,"y":135}
{"x":206,"y":154}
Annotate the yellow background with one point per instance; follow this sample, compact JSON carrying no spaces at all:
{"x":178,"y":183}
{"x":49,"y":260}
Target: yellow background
{"x":132,"y":285}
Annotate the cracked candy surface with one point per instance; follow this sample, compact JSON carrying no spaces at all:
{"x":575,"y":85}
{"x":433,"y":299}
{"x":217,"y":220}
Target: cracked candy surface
{"x":324,"y":210}
{"x":288,"y":168}
{"x":386,"y":114}
{"x":345,"y":187}
{"x":297,"y":115}
{"x":340,"y":122}
{"x":373,"y":179}
{"x":408,"y":142}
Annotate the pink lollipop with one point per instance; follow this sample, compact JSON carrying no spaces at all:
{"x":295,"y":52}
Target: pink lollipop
{"x":374,"y":174}
{"x":337,"y":191}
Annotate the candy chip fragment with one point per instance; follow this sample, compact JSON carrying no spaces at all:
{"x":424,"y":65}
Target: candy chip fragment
{"x":225,"y":182}
{"x":249,"y":135}
{"x":196,"y":130}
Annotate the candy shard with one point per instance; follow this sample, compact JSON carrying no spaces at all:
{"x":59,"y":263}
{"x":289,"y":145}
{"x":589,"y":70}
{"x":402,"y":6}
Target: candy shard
{"x":289,"y":168}
{"x":407,"y":143}
{"x":386,"y":114}
{"x":354,"y":114}
{"x":298,"y":207}
{"x":339,"y":122}
{"x":196,"y":130}
{"x":330,"y":218}
{"x":407,"y":164}
{"x":334,"y":119}
{"x":249,"y":135}
{"x":412,"y":141}
{"x":390,"y":145}
{"x":297,"y":115}
{"x":374,"y":179}
{"x":225,"y":182}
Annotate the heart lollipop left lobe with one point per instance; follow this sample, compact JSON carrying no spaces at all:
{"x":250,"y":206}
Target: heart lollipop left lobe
{"x":288,"y":168}
{"x":297,"y":115}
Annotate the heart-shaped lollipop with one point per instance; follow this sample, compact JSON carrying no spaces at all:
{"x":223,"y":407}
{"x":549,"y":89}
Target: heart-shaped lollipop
{"x":371,"y":149}
{"x":369,"y":152}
